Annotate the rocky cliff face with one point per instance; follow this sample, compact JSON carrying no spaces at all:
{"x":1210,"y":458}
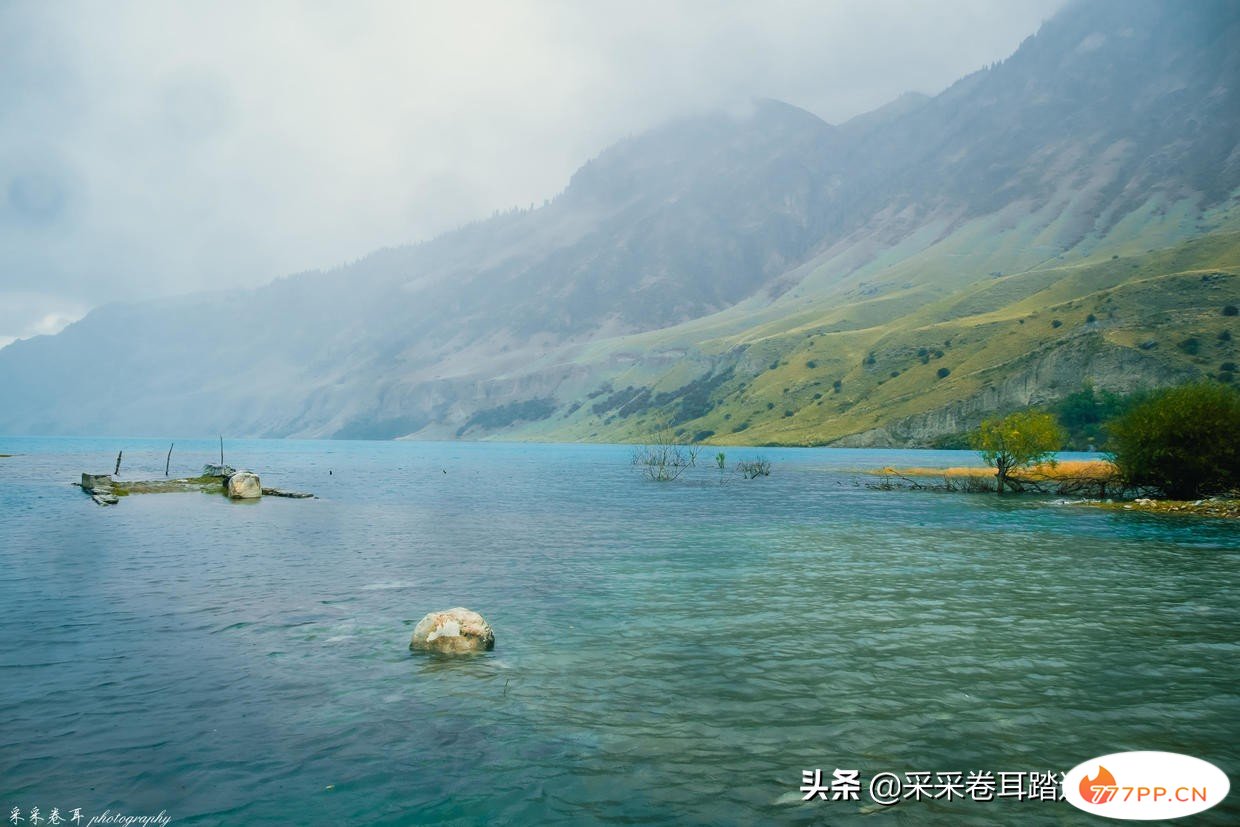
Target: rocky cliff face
{"x":1043,"y":378}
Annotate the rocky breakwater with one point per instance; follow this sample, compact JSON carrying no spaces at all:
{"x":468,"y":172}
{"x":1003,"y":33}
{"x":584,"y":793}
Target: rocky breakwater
{"x":214,"y":479}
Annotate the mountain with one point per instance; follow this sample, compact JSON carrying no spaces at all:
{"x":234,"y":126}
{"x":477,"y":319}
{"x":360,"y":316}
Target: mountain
{"x":1067,"y":216}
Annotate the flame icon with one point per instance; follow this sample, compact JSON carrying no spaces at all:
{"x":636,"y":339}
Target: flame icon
{"x":1101,"y":789}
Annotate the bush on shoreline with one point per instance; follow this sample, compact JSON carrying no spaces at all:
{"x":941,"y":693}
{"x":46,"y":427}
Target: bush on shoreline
{"x":1183,"y":441}
{"x":1179,"y":443}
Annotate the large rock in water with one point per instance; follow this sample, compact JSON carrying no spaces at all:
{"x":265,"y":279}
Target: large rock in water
{"x":97,"y":483}
{"x":209,"y":470}
{"x":99,"y":486}
{"x":244,"y":485}
{"x":454,"y":631}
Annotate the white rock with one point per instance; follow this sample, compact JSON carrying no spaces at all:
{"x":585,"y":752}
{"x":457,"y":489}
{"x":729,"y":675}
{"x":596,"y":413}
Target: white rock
{"x":244,"y":485}
{"x":453,"y":631}
{"x":449,"y":629}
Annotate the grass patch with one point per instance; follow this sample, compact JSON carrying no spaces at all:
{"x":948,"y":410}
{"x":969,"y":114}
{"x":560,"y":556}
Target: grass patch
{"x":1096,"y":470}
{"x":209,"y":485}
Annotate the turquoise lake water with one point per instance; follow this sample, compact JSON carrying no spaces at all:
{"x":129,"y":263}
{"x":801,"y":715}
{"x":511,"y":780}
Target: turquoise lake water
{"x":665,"y":653}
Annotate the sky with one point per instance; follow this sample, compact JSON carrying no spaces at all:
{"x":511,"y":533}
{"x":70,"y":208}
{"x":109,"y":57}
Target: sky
{"x":157,"y":148}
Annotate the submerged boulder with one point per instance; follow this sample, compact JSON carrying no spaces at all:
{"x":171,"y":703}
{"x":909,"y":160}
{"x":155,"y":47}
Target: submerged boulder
{"x":294,"y":495}
{"x":453,"y":631}
{"x":244,"y":485}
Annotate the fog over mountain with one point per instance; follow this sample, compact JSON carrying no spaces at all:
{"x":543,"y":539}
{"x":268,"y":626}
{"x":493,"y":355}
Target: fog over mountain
{"x":149,"y":149}
{"x":749,"y":273}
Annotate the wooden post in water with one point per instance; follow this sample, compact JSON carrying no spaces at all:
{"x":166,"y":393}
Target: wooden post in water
{"x":168,"y":461}
{"x":117,"y":470}
{"x":221,"y":450}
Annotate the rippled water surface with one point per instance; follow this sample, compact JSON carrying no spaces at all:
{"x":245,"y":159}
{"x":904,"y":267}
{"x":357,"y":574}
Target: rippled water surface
{"x":665,"y":652}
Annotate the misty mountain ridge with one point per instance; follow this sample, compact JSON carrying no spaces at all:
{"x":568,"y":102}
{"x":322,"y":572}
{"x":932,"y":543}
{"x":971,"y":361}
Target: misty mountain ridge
{"x":694,"y":273}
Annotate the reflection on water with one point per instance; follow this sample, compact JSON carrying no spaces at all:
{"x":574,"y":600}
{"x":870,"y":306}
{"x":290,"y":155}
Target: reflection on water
{"x":663,"y":652}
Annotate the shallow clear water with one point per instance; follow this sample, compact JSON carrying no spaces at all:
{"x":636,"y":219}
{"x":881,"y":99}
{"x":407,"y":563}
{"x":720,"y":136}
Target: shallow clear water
{"x":665,"y":652}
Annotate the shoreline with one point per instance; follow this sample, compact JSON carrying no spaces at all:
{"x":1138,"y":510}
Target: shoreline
{"x":1065,"y":478}
{"x":1227,"y":508}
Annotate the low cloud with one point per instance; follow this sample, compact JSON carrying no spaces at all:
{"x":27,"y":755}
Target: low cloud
{"x":150,"y":148}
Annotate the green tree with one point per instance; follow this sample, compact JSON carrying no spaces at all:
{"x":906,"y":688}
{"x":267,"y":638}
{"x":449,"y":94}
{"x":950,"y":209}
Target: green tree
{"x":1083,"y":415}
{"x":1183,"y":441}
{"x":1017,"y":441}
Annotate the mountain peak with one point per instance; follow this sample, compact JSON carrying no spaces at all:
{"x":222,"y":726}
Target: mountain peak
{"x":720,"y":142}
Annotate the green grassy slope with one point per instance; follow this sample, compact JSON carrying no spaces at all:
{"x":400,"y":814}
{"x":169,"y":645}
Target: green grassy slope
{"x":929,"y":354}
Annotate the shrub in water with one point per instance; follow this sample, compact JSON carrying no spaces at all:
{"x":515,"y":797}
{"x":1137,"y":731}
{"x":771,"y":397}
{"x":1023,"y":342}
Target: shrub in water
{"x":1017,"y":441}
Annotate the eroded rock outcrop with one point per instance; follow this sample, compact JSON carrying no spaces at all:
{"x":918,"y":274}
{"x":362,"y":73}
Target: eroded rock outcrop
{"x":1037,"y":378}
{"x":100,"y":488}
{"x":97,"y":483}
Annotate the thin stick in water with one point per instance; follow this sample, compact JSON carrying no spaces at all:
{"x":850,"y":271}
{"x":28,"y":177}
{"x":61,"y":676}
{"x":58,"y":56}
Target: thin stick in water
{"x":168,"y":462}
{"x":117,"y":470}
